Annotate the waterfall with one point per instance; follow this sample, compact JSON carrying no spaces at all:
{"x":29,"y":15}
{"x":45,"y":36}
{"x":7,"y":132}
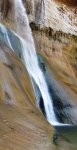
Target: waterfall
{"x":40,"y":15}
{"x":5,"y":36}
{"x":30,"y":58}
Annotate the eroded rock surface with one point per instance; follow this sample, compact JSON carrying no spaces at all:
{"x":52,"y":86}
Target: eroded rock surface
{"x":22,"y":125}
{"x":54,"y":27}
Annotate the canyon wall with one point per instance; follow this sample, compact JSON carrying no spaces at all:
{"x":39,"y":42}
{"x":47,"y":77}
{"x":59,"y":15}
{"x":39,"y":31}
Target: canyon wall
{"x":54,"y":27}
{"x":53,"y":24}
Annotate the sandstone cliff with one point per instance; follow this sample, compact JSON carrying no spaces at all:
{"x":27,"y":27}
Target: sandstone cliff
{"x":22,"y":125}
{"x":54,"y":27}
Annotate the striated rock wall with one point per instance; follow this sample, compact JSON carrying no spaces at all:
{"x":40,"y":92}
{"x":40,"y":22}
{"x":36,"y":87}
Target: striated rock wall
{"x":72,"y":3}
{"x":22,"y":125}
{"x":54,"y":27}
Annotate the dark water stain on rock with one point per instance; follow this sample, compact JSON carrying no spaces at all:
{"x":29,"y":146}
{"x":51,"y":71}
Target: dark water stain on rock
{"x":5,"y":7}
{"x":7,"y":95}
{"x":9,"y":66}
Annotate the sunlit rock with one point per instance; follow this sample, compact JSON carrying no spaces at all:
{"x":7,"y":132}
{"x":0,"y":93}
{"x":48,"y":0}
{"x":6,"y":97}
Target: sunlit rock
{"x":72,"y":3}
{"x":21,"y":123}
{"x":54,"y":27}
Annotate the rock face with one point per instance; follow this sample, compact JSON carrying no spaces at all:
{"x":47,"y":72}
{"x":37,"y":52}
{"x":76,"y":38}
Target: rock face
{"x":22,"y":125}
{"x":72,"y":3}
{"x":54,"y":27}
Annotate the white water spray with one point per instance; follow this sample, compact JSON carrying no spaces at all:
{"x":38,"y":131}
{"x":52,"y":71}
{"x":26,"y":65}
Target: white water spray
{"x":30,"y":59}
{"x":5,"y":35}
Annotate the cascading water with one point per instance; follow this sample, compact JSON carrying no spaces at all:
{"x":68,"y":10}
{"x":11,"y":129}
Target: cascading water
{"x":30,"y":58}
{"x":5,"y":35}
{"x":40,"y":13}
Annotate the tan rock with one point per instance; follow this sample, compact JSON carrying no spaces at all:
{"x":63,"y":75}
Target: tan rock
{"x":54,"y":29}
{"x":22,"y":125}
